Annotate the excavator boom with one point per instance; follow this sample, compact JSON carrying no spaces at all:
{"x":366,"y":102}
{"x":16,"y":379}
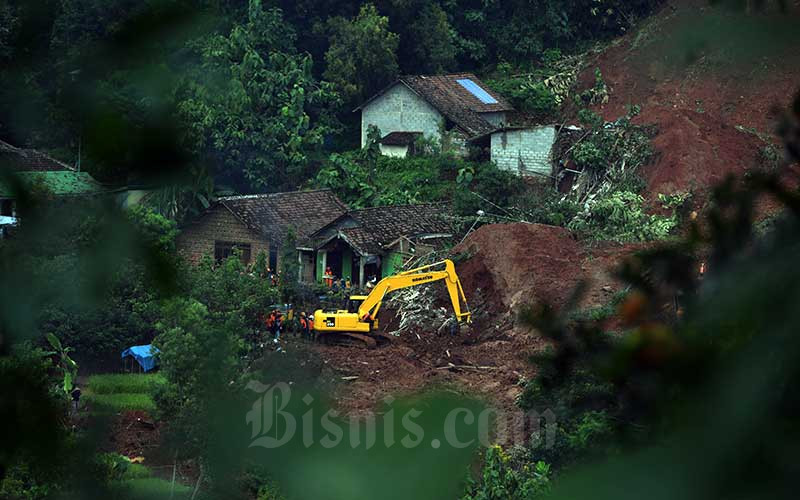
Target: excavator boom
{"x":364,"y":321}
{"x":414,"y":277}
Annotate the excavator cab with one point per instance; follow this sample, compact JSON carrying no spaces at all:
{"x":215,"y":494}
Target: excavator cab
{"x":352,"y":303}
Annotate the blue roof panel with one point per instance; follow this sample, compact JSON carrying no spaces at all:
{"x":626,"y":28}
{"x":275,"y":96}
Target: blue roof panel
{"x":477,"y":91}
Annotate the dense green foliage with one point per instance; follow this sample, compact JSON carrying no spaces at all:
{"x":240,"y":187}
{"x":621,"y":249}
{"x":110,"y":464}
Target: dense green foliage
{"x":249,"y":97}
{"x":362,"y":57}
{"x":228,"y":91}
{"x":503,"y":479}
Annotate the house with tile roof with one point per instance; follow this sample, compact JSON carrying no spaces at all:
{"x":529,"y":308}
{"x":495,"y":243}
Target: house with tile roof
{"x":260,"y":223}
{"x":462,"y":111}
{"x":27,"y":169}
{"x":355,"y":244}
{"x":379,"y":241}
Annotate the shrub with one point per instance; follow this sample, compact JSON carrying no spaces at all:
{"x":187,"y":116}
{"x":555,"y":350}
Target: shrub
{"x":528,"y":94}
{"x":501,"y":480}
{"x":620,"y":216}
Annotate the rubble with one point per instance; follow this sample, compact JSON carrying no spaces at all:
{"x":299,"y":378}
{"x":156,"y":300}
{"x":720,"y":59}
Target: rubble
{"x":416,"y":309}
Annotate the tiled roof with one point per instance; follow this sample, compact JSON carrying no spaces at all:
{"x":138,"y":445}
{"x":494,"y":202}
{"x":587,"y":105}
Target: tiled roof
{"x":273,"y":214}
{"x":28,"y":160}
{"x":455,"y":102}
{"x":380,"y":226}
{"x":400,"y":138}
{"x":59,"y":183}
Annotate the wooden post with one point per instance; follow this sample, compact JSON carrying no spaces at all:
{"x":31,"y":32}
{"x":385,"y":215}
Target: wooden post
{"x":299,"y":265}
{"x":361,"y":277}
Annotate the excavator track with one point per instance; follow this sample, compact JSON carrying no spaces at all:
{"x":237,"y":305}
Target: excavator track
{"x":349,"y":340}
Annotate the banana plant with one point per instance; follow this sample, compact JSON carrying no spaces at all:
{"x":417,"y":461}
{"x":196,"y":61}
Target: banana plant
{"x":67,"y":365}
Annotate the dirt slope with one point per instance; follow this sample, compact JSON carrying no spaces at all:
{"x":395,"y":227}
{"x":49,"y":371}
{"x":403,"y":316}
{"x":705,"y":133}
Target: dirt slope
{"x":702,"y":107}
{"x":700,"y":87}
{"x":509,"y":265}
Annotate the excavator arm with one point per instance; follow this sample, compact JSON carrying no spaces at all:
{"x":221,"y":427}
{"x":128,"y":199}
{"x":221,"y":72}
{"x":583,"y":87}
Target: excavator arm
{"x":368,"y":310}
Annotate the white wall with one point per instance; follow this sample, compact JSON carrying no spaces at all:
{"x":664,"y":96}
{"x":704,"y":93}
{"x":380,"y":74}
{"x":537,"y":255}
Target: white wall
{"x":400,"y":110}
{"x":391,"y":150}
{"x":524,"y":151}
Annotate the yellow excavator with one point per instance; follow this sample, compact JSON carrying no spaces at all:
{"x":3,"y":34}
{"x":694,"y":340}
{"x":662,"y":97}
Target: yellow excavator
{"x":358,"y":322}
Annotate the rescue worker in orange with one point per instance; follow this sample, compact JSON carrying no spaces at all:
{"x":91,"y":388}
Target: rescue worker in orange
{"x":304,"y":325}
{"x":271,"y":325}
{"x":328,"y":277}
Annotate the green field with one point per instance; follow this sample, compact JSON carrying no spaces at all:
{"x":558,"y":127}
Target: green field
{"x":148,"y":488}
{"x":116,"y":392}
{"x":117,"y":383}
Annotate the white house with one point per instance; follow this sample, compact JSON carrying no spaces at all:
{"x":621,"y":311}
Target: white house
{"x":463,"y":107}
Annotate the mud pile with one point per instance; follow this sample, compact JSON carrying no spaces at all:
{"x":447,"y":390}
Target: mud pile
{"x":515,"y":264}
{"x":712,"y":117}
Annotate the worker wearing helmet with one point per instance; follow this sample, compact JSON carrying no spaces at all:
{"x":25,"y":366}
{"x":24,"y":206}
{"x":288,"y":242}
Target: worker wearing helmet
{"x":311,"y":332}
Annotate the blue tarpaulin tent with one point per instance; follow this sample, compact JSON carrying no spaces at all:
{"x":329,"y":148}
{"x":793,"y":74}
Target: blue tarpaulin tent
{"x":143,"y":354}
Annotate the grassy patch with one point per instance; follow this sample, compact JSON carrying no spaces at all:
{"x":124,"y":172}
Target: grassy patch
{"x":127,"y":383}
{"x":120,"y":402}
{"x":148,"y":488}
{"x":600,"y":313}
{"x":136,"y":471}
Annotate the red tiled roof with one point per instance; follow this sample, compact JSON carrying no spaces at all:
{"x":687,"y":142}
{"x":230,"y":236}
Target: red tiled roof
{"x":28,"y":160}
{"x":273,"y":214}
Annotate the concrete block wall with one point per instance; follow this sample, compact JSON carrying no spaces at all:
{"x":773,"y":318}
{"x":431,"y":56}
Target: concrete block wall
{"x":524,"y":151}
{"x":219,"y":224}
{"x":401,"y":110}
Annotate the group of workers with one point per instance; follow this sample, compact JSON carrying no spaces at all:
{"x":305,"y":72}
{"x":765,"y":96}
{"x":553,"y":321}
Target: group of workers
{"x":343,"y":283}
{"x":333,"y":283}
{"x":276,"y":324}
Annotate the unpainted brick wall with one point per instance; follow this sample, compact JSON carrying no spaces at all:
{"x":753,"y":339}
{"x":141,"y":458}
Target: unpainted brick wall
{"x":401,"y":110}
{"x":524,"y":151}
{"x":219,"y":224}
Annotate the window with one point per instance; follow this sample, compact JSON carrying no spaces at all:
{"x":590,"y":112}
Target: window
{"x":224,"y":249}
{"x":477,"y":91}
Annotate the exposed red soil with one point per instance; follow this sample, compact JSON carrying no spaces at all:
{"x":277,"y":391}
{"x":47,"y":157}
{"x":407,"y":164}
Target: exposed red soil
{"x":522,"y":263}
{"x":509,"y":265}
{"x":697,"y":105}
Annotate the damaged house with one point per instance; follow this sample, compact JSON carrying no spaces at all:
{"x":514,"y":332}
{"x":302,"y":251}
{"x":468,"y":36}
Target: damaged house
{"x":377,"y":242}
{"x":462,"y":111}
{"x":260,"y":223}
{"x":34,"y":170}
{"x":355,"y":244}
